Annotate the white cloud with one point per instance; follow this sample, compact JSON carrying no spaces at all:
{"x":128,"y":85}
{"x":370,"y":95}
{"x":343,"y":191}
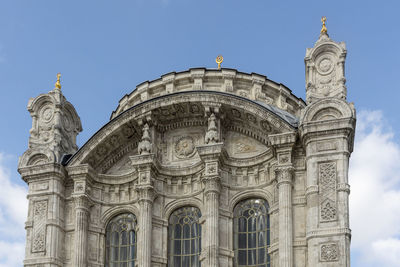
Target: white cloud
{"x":13,"y":212}
{"x":375,"y":192}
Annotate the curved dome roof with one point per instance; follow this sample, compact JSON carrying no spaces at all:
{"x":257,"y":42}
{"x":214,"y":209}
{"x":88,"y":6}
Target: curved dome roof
{"x":253,"y":86}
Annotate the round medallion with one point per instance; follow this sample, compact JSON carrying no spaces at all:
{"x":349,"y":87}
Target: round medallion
{"x":47,"y":114}
{"x":325,"y":66}
{"x":184,"y":147}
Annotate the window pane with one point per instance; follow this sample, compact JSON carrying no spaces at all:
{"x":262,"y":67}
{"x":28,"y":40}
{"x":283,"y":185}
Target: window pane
{"x":186,"y":231}
{"x":242,"y":240}
{"x":252,"y":240}
{"x":177,"y":247}
{"x":251,"y":257}
{"x":242,"y":257}
{"x":261,"y":255}
{"x":177,"y":261}
{"x":186,"y":247}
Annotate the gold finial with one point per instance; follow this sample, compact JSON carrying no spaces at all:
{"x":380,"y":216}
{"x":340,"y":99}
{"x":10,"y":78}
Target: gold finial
{"x":324,"y":29}
{"x":58,"y":84}
{"x":219,"y":60}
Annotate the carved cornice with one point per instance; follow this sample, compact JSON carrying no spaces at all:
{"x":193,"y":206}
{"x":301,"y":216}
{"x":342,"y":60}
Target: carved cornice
{"x":328,"y":232}
{"x":41,"y":172}
{"x":210,"y":152}
{"x":260,"y":119}
{"x":283,"y":139}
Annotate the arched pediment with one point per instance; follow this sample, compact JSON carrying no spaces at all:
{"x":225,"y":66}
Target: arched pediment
{"x":183,"y":113}
{"x":327,"y":109}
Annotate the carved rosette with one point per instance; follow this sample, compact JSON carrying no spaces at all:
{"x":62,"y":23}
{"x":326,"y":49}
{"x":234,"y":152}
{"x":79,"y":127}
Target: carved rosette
{"x":329,"y":252}
{"x":184,"y":147}
{"x":327,"y":194}
{"x":39,"y":226}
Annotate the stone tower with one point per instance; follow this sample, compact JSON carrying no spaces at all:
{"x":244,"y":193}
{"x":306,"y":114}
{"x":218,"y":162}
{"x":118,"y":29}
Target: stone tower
{"x":255,"y":175}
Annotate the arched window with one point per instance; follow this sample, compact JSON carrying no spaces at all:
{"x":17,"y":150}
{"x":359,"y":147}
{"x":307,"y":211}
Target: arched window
{"x":121,"y":241}
{"x":184,"y":238}
{"x":251,"y":233}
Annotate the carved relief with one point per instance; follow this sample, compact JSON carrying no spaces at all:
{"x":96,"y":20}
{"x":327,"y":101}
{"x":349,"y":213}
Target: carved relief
{"x":325,"y":70}
{"x":184,"y":147}
{"x":39,"y":226}
{"x":327,"y":185}
{"x":329,"y":252}
{"x":241,"y":146}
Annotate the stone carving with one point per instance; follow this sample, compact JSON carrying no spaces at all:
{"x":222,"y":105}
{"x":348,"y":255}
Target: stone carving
{"x":244,"y":148}
{"x":329,"y":252}
{"x":184,"y":147}
{"x":145,"y":145}
{"x":55,"y":125}
{"x":212,"y":132}
{"x":236,"y":113}
{"x":325,"y":75}
{"x":327,"y":185}
{"x":266,"y":126}
{"x":39,"y":226}
{"x":328,"y":212}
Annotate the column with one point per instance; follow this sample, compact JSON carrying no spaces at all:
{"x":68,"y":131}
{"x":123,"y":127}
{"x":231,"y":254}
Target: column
{"x":81,"y":230}
{"x":146,"y":197}
{"x":284,"y":177}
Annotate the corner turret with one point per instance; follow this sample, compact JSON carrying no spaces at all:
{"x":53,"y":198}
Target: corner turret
{"x":55,"y":125}
{"x":324,"y":62}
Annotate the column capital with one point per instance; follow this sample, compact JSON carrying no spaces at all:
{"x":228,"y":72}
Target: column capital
{"x":284,"y":174}
{"x":146,"y":193}
{"x":82,"y":202}
{"x":211,"y":184}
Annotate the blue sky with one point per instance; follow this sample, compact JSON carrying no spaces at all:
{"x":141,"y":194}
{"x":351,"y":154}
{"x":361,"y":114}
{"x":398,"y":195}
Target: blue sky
{"x":105,"y":48}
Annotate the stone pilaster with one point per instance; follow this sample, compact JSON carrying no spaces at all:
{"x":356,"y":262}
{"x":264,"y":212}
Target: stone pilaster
{"x":82,"y":176}
{"x":82,"y":205}
{"x":44,"y":225}
{"x":328,"y":144}
{"x":283,"y":145}
{"x":284,"y":177}
{"x":146,"y":195}
{"x":145,"y":164}
{"x":210,"y":154}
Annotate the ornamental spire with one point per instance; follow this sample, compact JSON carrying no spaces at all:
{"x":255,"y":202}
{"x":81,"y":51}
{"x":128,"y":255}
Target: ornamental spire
{"x":324,"y":30}
{"x":57,"y":85}
{"x":219,"y":60}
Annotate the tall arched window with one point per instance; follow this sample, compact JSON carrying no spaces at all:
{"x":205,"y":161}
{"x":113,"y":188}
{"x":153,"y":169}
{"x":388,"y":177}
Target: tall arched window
{"x":184,"y":238}
{"x":251,"y":233}
{"x":121,"y":241}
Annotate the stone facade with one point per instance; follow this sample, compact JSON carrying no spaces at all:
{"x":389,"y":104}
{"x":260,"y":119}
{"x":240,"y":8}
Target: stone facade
{"x":202,"y":138}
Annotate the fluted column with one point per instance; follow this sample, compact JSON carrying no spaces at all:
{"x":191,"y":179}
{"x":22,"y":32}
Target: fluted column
{"x":284,"y":177}
{"x":81,"y":230}
{"x":146,"y":197}
{"x":211,"y":193}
